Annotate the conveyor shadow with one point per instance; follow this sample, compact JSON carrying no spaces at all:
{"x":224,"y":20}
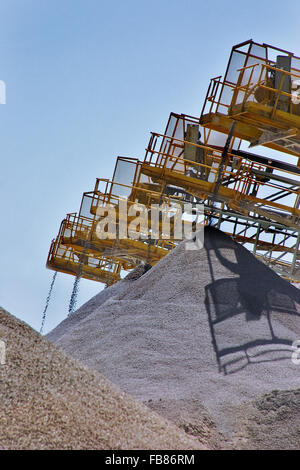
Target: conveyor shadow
{"x":254,"y":293}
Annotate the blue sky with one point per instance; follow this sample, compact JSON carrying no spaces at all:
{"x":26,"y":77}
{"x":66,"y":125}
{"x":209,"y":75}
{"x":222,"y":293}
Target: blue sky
{"x":86,"y":81}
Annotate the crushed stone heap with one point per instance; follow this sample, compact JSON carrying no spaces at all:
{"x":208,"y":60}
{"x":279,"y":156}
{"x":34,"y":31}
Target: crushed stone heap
{"x":202,"y":331}
{"x":50,"y":401}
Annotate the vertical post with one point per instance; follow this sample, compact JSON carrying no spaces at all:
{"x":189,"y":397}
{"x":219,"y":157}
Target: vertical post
{"x":295,"y":253}
{"x":223,"y":159}
{"x":256,"y":239}
{"x":220,"y":216}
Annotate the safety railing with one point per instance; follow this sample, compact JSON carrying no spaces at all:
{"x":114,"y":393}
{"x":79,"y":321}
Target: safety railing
{"x":65,"y":255}
{"x":256,"y":83}
{"x":253,"y":180}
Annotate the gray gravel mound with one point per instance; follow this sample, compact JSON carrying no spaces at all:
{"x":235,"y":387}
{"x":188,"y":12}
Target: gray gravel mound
{"x":213,"y":327}
{"x":86,"y":309}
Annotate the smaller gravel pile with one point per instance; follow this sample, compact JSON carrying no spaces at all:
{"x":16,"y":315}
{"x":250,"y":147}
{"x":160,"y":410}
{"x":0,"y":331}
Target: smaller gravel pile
{"x":138,"y":272}
{"x":269,"y":422}
{"x":50,"y":401}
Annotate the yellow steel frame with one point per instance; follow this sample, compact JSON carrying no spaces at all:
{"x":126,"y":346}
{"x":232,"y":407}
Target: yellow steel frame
{"x":234,"y":189}
{"x":66,"y":259}
{"x":173,"y":170}
{"x":254,"y":116}
{"x":104,"y":259}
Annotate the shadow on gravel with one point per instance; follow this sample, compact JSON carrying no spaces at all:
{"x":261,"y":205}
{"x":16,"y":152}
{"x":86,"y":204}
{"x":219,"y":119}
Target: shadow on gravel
{"x":247,"y":303}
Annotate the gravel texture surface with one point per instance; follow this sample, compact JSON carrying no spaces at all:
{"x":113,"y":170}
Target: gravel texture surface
{"x":51,"y":401}
{"x":204,"y":330}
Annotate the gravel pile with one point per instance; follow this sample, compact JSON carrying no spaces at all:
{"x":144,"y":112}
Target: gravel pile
{"x":50,"y":401}
{"x":198,"y":335}
{"x":138,"y":272}
{"x":269,"y":422}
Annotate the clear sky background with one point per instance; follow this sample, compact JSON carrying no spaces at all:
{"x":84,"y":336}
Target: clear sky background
{"x":87,"y":80}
